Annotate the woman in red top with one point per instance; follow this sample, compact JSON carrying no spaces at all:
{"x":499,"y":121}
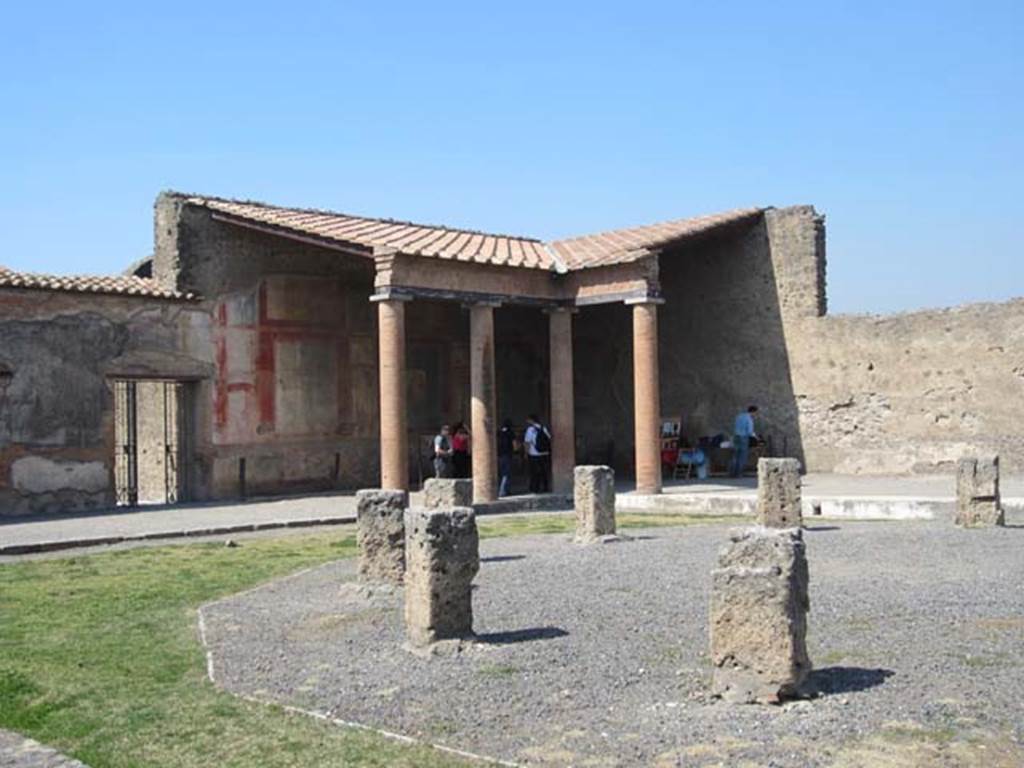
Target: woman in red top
{"x":460,"y":452}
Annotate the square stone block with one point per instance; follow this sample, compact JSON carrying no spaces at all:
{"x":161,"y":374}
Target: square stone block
{"x":594,"y":500}
{"x":978,"y":502}
{"x":442,"y":557}
{"x":759,"y":604}
{"x":778,"y":493}
{"x":380,"y":533}
{"x":445,"y":493}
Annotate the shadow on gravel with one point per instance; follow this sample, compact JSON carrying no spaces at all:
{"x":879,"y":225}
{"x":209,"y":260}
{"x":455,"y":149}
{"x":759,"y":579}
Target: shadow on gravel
{"x":521,"y":635}
{"x":847,"y":679}
{"x":821,"y":528}
{"x":501,"y":558}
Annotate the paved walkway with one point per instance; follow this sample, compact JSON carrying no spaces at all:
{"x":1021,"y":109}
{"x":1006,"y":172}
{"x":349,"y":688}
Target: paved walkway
{"x":921,"y":487}
{"x":159,"y":522}
{"x":50,"y":533}
{"x":17,"y":751}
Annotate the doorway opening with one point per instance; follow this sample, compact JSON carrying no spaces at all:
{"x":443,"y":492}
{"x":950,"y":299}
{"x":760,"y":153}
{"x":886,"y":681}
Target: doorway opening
{"x":152,"y":441}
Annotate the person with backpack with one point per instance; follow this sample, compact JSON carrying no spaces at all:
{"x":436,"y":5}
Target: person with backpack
{"x":443,"y":452}
{"x":538,"y":454}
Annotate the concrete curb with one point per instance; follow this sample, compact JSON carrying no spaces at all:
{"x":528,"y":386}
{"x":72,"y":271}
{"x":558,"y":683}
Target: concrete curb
{"x":100,"y":541}
{"x":533,"y":503}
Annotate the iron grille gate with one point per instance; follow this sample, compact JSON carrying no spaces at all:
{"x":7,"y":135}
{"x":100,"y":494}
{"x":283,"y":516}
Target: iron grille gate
{"x":126,"y":450}
{"x":152,"y":433}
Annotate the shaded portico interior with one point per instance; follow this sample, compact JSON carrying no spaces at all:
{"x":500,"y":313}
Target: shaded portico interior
{"x":445,"y":325}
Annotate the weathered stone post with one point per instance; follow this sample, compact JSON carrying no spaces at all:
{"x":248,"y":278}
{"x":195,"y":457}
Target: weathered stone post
{"x":759,"y":605}
{"x":380,"y":533}
{"x":778,"y":493}
{"x":977,"y":492}
{"x":594,"y":499}
{"x":445,"y":493}
{"x":442,"y":555}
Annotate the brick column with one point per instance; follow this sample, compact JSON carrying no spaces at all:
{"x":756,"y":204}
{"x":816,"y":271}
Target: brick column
{"x":646,"y":396}
{"x":563,"y":422}
{"x":482,"y":411}
{"x":394,"y":453}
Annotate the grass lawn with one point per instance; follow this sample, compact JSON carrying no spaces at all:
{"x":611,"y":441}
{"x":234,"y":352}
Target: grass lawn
{"x":99,"y":656}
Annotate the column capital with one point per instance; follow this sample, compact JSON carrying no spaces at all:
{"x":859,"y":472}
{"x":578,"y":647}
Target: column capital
{"x":387,"y":295}
{"x":655,"y":300}
{"x":482,"y":303}
{"x":561,"y":310}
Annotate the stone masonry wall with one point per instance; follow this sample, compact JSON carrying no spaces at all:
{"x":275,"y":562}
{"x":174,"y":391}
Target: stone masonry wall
{"x":744,"y":323}
{"x":911,"y":392}
{"x":60,"y":353}
{"x":295,"y":336}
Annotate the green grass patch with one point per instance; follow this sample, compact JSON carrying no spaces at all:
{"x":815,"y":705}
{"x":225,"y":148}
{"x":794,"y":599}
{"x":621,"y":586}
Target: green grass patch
{"x":497,"y":670}
{"x":902,"y":733}
{"x":533,"y":523}
{"x":99,"y":655}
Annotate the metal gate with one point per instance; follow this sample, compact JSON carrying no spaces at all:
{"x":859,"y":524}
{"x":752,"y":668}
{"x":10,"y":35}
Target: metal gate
{"x":126,"y":453}
{"x":152,"y":436}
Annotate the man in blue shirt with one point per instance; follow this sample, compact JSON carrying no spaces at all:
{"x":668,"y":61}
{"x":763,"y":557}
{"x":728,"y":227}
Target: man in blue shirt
{"x":742,"y":434}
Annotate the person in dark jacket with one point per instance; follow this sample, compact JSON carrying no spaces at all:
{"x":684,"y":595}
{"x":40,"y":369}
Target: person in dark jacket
{"x":507,"y":445}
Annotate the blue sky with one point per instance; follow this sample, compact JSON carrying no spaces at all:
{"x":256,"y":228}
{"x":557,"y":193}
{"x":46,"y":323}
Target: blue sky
{"x":902,"y":122}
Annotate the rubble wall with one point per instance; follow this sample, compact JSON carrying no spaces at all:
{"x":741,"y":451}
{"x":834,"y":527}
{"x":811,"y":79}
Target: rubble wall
{"x":59,"y":355}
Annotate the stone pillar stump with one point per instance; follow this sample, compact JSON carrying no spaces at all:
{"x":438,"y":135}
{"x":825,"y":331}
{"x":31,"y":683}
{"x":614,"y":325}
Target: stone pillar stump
{"x":446,"y":492}
{"x":778,"y":493}
{"x":759,"y":605}
{"x":442,"y":555}
{"x":594,"y":499}
{"x":977,"y":493}
{"x":380,"y":533}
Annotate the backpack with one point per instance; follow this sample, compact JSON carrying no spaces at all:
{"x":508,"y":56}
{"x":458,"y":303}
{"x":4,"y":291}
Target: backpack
{"x":543,"y":444}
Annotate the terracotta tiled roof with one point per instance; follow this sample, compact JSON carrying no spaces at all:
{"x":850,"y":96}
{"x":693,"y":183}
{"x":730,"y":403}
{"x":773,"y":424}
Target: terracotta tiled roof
{"x":368,"y":233}
{"x":120,"y":285}
{"x":623,"y":245}
{"x":363,"y":233}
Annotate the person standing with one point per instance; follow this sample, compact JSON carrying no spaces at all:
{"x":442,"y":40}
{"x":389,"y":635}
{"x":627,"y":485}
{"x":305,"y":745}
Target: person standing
{"x":538,"y":453}
{"x":460,"y":452}
{"x":506,"y":450}
{"x":443,"y":452}
{"x":742,"y":434}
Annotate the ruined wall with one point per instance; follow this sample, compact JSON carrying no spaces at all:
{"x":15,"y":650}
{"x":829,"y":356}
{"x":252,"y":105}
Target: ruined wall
{"x":902,"y":393}
{"x":721,"y":346}
{"x":60,"y":352}
{"x":911,"y":392}
{"x":744,"y":322}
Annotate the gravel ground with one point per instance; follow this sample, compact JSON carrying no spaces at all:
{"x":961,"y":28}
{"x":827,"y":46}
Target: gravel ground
{"x":17,"y":751}
{"x":597,"y":655}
